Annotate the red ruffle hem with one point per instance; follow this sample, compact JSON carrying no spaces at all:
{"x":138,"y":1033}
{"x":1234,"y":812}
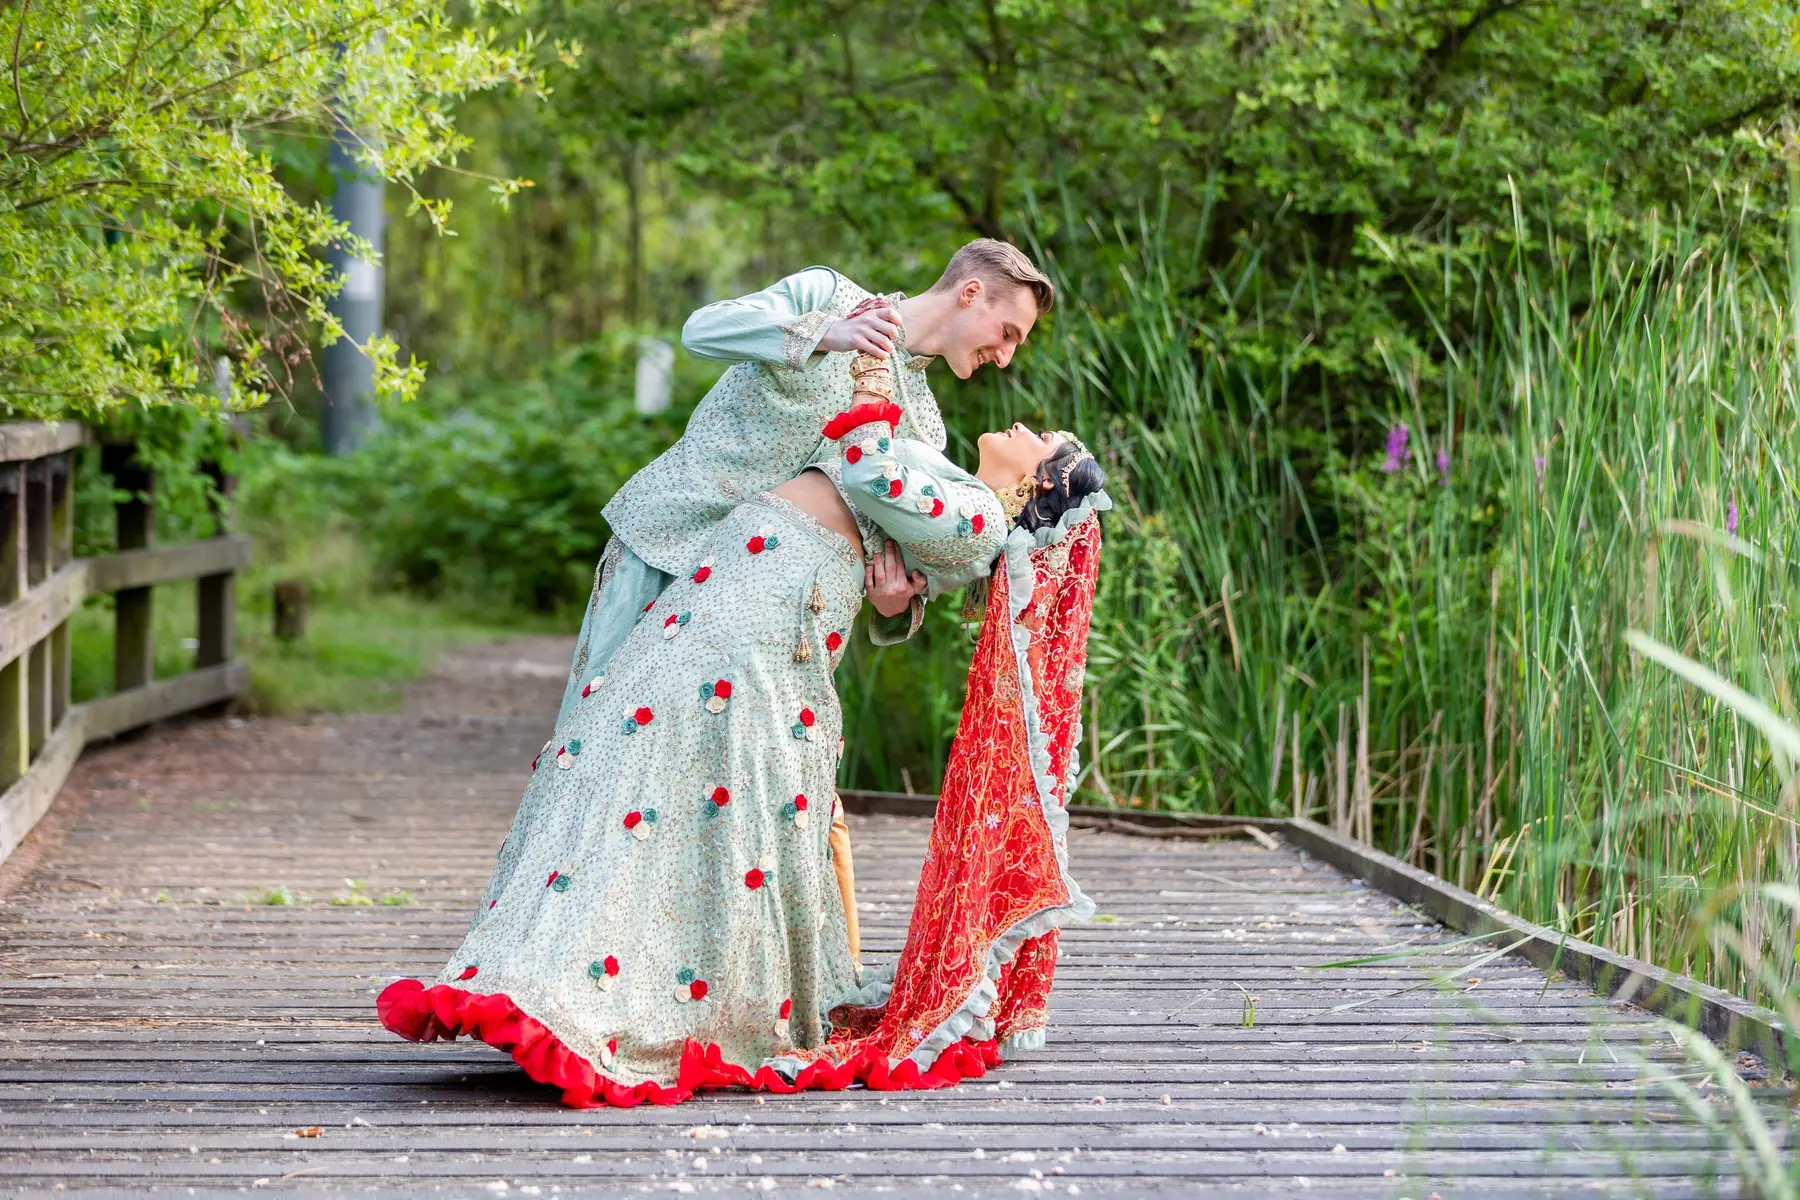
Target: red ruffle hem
{"x":418,"y":1013}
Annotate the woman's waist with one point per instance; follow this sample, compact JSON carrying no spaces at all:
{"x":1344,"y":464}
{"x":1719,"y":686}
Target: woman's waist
{"x":819,"y":496}
{"x":792,"y":520}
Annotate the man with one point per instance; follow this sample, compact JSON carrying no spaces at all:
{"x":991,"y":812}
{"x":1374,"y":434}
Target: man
{"x":791,"y":346}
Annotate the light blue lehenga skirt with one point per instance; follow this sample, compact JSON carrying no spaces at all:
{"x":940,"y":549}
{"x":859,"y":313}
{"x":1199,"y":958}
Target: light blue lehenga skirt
{"x":667,"y":877}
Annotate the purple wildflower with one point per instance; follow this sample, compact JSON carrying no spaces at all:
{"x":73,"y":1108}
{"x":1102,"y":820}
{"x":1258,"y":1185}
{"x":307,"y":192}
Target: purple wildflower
{"x":1443,"y":466}
{"x":1731,"y":517}
{"x":1397,"y":452}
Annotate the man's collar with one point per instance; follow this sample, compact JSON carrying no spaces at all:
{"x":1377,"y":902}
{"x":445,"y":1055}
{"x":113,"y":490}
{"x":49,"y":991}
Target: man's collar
{"x":912,"y":362}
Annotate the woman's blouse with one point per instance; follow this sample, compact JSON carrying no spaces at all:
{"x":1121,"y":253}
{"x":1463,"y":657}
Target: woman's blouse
{"x":948,"y":524}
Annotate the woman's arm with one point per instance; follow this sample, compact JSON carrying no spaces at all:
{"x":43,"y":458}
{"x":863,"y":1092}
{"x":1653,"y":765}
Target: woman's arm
{"x":945,"y":520}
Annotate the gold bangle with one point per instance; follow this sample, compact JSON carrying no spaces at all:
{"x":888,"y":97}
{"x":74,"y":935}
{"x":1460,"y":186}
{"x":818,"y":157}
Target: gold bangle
{"x":865,"y":363}
{"x":871,"y":376}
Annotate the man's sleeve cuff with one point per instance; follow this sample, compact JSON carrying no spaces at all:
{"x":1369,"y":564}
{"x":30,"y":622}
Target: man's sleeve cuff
{"x":891,"y":631}
{"x":800,"y":338}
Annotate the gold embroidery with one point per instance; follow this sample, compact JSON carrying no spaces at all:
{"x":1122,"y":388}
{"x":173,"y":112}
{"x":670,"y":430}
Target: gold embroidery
{"x":800,"y":337}
{"x":951,"y":554}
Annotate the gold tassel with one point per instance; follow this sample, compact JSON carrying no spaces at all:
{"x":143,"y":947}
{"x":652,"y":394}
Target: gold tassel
{"x":804,"y":652}
{"x":817,"y":603}
{"x":975,"y":598}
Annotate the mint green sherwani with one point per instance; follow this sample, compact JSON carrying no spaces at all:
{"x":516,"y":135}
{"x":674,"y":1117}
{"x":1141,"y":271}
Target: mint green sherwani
{"x":757,"y":428}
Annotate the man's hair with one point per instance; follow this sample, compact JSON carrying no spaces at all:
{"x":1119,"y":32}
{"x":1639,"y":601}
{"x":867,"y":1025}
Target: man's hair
{"x":1000,"y":265}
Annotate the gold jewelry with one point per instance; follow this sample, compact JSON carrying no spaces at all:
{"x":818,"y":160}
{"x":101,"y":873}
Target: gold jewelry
{"x":871,"y":376}
{"x":1014,"y":499}
{"x":1069,"y":467}
{"x":1083,"y":454}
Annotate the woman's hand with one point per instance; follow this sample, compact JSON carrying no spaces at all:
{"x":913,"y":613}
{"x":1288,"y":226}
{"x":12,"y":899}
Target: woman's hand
{"x":871,"y":327}
{"x":885,"y":580}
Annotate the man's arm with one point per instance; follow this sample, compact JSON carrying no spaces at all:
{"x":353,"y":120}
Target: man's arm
{"x":897,"y":596}
{"x":787,"y":325}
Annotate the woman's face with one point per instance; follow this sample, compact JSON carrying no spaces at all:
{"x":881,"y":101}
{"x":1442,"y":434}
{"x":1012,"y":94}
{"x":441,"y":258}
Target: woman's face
{"x":1011,"y":454}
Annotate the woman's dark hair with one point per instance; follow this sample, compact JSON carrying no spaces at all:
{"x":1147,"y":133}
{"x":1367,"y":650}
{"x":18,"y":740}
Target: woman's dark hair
{"x":1068,"y":487}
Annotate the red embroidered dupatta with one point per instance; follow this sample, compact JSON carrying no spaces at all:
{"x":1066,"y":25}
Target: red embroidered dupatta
{"x":981,"y":950}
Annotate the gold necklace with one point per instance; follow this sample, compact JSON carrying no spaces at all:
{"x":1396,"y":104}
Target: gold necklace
{"x":1014,"y":499}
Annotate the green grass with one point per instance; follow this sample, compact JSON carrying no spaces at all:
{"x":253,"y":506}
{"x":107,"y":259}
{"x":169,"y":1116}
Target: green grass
{"x":352,"y":659}
{"x":1454,"y":667}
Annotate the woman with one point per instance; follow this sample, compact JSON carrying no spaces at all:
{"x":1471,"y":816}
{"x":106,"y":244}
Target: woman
{"x":663,"y":916}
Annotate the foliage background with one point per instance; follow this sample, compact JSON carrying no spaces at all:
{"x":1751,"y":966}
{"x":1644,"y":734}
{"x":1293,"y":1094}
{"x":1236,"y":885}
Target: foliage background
{"x":1548,"y":241}
{"x":1283,"y":231}
{"x":145,"y":231}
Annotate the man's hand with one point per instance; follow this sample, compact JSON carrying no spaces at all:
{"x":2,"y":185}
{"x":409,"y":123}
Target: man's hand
{"x":885,"y":579}
{"x":871,"y":327}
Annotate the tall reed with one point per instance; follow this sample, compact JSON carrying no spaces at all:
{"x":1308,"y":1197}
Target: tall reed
{"x":1423,"y":644}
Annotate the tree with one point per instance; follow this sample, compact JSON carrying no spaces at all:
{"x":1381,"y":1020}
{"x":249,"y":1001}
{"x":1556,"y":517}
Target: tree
{"x":144,"y":227}
{"x":1351,"y":144}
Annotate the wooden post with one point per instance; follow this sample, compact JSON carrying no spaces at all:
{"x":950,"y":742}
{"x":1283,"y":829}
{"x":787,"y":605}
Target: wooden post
{"x":290,"y":609}
{"x":62,"y":552}
{"x":37,"y":570}
{"x":216,"y":595}
{"x":134,"y":650}
{"x":15,"y":711}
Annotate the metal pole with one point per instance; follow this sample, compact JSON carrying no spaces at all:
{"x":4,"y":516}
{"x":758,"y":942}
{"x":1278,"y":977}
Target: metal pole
{"x":349,"y":377}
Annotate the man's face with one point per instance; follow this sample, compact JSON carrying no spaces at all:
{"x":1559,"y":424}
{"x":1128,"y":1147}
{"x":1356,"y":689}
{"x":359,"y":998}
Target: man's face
{"x":990,"y":324}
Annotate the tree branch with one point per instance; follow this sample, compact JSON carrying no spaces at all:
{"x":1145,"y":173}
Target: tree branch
{"x":1444,"y":51}
{"x":18,"y":89}
{"x":85,"y":185}
{"x":1729,"y":123}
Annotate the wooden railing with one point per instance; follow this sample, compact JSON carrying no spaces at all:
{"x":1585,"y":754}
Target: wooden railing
{"x":42,"y":583}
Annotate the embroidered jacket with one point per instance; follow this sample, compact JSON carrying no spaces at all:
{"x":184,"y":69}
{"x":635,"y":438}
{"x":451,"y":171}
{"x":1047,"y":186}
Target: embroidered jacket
{"x":760,"y":424}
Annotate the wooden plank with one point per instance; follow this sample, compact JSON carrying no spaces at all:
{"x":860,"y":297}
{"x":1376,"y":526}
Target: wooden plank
{"x":21,"y":440}
{"x":215,"y":597}
{"x":37,"y":695}
{"x":38,"y":522}
{"x":12,"y":532}
{"x":62,"y":552}
{"x":1729,"y":1020}
{"x":15,"y":722}
{"x":168,"y":564}
{"x":1081,"y":816}
{"x":29,"y":620}
{"x":29,"y":797}
{"x":62,"y":670}
{"x":39,"y":551}
{"x":154,"y":1021}
{"x":112,"y":715}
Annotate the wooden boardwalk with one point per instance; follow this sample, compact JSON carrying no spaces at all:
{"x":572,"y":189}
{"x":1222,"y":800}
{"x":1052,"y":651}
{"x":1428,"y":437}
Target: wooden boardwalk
{"x":163,"y":1029}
